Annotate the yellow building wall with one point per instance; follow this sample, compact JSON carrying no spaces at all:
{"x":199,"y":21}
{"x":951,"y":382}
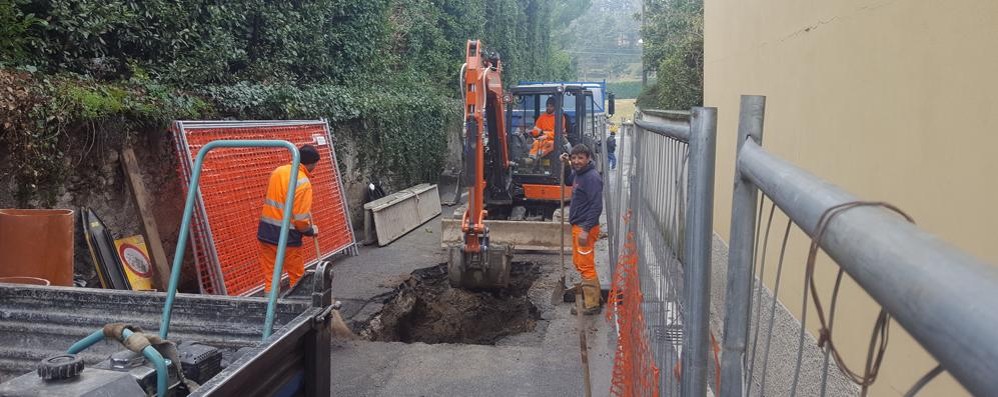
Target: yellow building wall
{"x":892,"y":100}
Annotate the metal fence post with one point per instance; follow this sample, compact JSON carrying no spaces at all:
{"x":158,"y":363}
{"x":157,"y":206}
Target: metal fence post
{"x":638,"y":205}
{"x":608,"y":209}
{"x":699,"y":229}
{"x":634,"y":226}
{"x":617,"y":201}
{"x":739,"y":288}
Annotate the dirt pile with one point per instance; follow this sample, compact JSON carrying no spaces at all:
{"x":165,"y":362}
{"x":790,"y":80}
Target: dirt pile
{"x":426,"y":309}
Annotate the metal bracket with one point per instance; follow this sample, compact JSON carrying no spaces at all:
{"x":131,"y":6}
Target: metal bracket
{"x":322,"y":285}
{"x":322,"y":292}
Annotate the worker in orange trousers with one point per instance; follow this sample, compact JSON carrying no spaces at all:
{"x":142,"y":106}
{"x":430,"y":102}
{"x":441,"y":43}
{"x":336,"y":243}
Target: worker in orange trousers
{"x":587,"y":206}
{"x":269,"y":229}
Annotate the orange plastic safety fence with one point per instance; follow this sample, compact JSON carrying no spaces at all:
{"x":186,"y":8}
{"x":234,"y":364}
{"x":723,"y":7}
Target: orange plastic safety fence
{"x":634,"y":369}
{"x":233,"y":186}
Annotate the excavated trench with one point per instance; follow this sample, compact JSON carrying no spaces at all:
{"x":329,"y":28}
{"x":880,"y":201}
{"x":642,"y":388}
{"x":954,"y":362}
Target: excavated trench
{"x":426,"y":309}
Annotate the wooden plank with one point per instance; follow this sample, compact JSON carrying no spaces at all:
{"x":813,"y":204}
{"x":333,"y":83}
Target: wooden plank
{"x":142,"y":199}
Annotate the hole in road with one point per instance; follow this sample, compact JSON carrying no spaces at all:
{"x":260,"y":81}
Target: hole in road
{"x":426,"y":309}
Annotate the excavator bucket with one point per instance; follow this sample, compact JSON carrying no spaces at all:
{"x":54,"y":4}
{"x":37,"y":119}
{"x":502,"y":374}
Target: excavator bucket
{"x":484,"y":270}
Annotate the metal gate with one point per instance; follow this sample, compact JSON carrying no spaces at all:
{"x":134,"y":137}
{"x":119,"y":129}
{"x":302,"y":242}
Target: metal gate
{"x":660,"y":208}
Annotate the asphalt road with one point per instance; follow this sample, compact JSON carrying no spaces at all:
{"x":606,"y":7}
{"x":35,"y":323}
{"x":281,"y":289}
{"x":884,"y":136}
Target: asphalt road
{"x":544,"y":362}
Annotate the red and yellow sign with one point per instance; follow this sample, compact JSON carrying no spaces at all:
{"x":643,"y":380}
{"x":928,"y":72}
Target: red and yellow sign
{"x":135,"y":258}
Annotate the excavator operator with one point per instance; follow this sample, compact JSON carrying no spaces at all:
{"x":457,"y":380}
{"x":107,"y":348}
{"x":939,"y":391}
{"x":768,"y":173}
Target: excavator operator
{"x":543,"y":134}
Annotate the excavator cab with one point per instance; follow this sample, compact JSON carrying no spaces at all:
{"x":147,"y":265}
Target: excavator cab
{"x":536,"y":171}
{"x":535,"y":152}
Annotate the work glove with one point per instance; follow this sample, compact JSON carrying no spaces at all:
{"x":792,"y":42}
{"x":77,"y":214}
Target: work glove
{"x":312,"y":231}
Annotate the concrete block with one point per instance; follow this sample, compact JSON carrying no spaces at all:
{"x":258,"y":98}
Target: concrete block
{"x":399,"y":213}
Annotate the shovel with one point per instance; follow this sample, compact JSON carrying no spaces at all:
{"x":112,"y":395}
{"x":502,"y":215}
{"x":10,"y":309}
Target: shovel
{"x":337,"y":326}
{"x":559,"y":290}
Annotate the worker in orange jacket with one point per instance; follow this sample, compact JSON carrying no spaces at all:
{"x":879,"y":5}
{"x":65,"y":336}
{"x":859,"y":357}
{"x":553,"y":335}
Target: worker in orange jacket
{"x":543,"y":133}
{"x":269,"y":229}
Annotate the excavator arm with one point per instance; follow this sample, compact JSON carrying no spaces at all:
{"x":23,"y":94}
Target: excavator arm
{"x":476,"y":262}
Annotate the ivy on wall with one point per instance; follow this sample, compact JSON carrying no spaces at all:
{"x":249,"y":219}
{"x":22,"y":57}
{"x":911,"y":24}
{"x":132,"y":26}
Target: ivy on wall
{"x":384,"y":71}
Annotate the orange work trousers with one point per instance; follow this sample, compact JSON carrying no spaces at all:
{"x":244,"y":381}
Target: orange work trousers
{"x":294,"y":264}
{"x":543,"y":145}
{"x":584,"y":256}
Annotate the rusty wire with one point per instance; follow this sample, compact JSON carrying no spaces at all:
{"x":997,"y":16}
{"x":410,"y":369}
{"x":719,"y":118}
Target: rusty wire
{"x":924,"y":380}
{"x":880,"y":334}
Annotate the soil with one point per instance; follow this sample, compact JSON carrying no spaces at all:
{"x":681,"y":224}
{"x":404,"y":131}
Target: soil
{"x":426,"y":309}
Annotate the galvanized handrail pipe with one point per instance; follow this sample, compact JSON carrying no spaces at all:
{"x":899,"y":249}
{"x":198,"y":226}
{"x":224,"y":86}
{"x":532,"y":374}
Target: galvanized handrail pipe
{"x":942,"y":296}
{"x":699,"y":229}
{"x":150,"y":353}
{"x":185,"y":226}
{"x":675,"y":129}
{"x":738,"y":291}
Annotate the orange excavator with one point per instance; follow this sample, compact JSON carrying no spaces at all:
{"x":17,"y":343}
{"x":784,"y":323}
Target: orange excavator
{"x":514,"y":190}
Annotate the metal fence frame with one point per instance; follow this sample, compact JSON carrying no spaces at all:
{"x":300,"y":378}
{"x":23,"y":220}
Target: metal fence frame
{"x":942,"y":296}
{"x":649,"y":187}
{"x":202,"y":223}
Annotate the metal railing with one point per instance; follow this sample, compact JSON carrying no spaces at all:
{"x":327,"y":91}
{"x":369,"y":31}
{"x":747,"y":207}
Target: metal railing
{"x":665,"y":181}
{"x":941,"y":296}
{"x":185,"y":226}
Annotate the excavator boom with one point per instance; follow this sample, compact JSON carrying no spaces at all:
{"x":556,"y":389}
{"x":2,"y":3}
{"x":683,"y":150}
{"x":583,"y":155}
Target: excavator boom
{"x":476,"y":262}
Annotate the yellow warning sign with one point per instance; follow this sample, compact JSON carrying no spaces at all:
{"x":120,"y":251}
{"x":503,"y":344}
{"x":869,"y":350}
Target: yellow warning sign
{"x":135,"y":258}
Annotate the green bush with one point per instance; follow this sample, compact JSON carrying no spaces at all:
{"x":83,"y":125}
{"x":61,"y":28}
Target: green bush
{"x":42,"y":117}
{"x":16,"y":37}
{"x":399,"y":131}
{"x":673,"y":46}
{"x":384,"y":71}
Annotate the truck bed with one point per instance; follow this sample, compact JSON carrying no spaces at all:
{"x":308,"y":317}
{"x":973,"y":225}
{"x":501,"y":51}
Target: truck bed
{"x":36,"y":322}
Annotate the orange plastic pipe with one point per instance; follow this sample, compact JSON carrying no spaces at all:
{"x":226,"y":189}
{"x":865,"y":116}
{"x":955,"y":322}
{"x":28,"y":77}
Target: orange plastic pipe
{"x":37,"y":243}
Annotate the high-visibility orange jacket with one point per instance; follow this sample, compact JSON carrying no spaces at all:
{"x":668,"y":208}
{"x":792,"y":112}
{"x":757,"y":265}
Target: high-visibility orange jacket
{"x":269,"y":230}
{"x":544,"y":123}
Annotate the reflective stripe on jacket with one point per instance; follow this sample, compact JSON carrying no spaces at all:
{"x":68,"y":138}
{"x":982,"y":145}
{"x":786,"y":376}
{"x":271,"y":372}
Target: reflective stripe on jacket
{"x":269,"y":230}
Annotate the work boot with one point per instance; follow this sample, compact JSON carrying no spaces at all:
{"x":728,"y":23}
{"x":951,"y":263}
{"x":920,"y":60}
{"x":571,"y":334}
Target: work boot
{"x":590,"y":298}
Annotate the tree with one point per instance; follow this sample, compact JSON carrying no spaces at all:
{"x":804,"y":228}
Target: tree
{"x":673,"y":48}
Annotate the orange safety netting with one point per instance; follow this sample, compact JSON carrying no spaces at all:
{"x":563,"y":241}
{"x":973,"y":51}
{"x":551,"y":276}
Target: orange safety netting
{"x":233,"y":186}
{"x":634,"y":369}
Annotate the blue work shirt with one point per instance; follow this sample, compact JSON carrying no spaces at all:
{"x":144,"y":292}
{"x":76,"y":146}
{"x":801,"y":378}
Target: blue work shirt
{"x":587,"y":197}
